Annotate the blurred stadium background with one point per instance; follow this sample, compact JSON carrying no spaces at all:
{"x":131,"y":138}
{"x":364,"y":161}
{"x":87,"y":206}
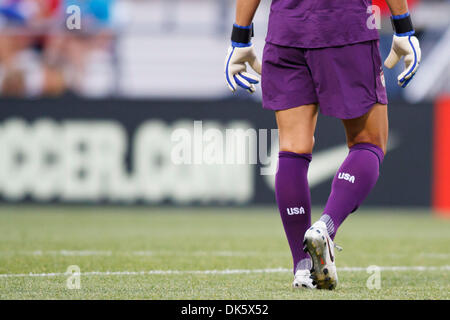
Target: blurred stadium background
{"x":87,"y":117}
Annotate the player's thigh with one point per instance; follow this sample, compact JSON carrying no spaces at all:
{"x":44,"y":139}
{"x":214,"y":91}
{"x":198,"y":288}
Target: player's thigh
{"x":296,"y":128}
{"x":373,"y":127}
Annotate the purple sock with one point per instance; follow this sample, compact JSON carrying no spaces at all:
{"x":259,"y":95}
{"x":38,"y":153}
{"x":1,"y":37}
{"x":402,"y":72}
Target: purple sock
{"x":294,"y":202}
{"x":354,"y":180}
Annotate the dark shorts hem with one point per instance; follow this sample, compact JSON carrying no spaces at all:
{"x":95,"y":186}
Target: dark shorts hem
{"x":279,"y":107}
{"x":362,"y":111}
{"x":346,"y":116}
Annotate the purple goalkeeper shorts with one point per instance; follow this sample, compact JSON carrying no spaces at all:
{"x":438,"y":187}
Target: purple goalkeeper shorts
{"x":345,"y":81}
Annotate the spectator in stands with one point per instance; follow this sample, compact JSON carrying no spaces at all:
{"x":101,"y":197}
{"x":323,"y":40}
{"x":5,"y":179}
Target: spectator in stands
{"x":40,"y":56}
{"x":25,"y":25}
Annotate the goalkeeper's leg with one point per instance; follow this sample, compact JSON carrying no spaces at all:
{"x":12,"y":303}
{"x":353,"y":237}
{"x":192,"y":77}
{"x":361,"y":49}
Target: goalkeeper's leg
{"x":296,"y":133}
{"x":367,"y":138}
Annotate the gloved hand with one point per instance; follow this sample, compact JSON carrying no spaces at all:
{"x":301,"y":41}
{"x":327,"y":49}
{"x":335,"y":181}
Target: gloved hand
{"x":239,"y":54}
{"x":407,"y":47}
{"x":404,"y":44}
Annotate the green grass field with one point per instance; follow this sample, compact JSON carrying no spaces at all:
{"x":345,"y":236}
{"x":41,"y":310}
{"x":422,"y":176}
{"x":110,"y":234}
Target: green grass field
{"x":177,"y":249}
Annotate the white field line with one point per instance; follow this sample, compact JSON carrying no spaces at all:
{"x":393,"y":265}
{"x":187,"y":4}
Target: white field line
{"x":222,"y":253}
{"x":436,"y":255}
{"x":140,"y":253}
{"x":67,"y":253}
{"x":217,"y":272}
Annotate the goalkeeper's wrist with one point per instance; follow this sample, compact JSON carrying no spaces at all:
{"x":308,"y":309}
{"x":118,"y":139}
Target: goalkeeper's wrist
{"x":402,"y":25}
{"x":241,"y":36}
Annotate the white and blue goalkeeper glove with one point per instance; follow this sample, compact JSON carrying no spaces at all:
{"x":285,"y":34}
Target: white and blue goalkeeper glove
{"x":239,"y":54}
{"x":406,"y":45}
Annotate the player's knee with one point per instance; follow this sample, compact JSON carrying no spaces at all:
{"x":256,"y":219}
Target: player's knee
{"x":297,"y":145}
{"x":378,"y":140}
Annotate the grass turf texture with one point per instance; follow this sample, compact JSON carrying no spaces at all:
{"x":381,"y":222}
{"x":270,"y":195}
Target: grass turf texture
{"x":49,"y":239}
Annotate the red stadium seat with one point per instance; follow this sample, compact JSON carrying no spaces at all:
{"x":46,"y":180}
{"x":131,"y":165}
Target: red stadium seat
{"x":385,"y":9}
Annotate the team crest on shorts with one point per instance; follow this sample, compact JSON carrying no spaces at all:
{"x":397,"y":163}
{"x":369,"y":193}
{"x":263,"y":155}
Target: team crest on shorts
{"x":383,"y":82}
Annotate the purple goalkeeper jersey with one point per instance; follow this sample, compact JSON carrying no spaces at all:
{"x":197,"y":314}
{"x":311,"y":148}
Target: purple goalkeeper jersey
{"x":319,"y":23}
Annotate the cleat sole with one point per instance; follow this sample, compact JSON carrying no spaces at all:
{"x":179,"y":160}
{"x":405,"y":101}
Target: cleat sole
{"x":315,"y":245}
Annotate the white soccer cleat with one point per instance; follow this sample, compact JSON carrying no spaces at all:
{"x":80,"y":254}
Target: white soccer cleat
{"x":303,"y":279}
{"x":320,"y":247}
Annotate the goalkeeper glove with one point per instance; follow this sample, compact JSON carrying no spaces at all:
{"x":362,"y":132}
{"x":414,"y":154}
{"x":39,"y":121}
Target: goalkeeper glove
{"x":241,"y":52}
{"x":406,"y":45}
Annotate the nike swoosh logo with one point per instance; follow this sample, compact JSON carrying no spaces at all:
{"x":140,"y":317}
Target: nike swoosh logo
{"x":325,"y":163}
{"x":329,"y":251}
